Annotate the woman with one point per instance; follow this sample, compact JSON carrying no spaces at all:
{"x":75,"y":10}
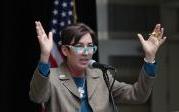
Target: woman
{"x":74,"y":87}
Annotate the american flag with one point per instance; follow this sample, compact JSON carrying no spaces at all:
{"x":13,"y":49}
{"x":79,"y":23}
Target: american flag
{"x":63,"y":14}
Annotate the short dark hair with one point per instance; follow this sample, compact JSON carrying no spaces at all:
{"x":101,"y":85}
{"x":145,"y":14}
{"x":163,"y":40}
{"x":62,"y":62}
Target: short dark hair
{"x":76,"y":31}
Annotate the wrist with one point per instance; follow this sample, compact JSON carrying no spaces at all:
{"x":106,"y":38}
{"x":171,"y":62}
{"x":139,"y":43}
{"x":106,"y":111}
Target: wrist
{"x":44,"y":58}
{"x":149,"y":60}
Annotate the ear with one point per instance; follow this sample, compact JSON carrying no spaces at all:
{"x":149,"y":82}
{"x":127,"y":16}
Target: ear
{"x":64,"y":50}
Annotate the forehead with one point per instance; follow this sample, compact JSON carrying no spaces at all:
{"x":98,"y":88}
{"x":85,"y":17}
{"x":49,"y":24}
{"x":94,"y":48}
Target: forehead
{"x":86,"y":39}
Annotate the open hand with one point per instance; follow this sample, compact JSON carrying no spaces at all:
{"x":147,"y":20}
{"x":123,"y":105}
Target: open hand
{"x":46,"y":42}
{"x":152,"y":44}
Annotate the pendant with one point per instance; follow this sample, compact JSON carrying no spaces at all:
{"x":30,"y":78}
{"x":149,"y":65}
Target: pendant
{"x":81,"y":91}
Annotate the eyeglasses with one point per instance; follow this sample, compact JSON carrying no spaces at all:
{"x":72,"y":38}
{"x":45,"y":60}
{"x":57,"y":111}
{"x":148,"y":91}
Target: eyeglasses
{"x":79,"y":49}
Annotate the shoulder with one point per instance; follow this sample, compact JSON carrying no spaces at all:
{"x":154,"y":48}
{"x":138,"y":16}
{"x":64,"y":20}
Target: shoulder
{"x":94,"y":72}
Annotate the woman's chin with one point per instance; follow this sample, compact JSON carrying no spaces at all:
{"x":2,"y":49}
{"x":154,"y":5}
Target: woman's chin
{"x":83,"y":66}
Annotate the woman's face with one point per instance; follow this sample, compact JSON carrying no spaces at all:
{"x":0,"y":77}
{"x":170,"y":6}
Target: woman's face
{"x":78,"y":56}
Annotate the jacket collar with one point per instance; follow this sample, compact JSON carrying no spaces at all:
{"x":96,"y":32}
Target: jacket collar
{"x":92,"y":76}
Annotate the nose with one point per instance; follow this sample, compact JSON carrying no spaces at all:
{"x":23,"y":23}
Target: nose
{"x":85,"y":51}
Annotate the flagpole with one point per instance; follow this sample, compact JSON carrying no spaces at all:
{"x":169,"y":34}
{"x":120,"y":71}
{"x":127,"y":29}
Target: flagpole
{"x":74,"y":12}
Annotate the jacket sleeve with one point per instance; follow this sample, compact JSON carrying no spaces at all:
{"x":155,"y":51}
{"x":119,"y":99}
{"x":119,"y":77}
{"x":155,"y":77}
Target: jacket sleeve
{"x":39,"y":87}
{"x":139,"y":92}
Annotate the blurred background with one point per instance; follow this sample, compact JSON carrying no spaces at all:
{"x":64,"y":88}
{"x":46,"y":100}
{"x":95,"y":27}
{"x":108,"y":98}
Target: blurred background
{"x":116,"y":23}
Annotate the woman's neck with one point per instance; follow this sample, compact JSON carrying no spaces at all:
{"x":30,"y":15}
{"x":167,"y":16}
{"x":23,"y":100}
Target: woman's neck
{"x":75,"y":72}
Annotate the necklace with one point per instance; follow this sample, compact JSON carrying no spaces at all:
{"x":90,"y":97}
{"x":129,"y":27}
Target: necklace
{"x":81,"y":89}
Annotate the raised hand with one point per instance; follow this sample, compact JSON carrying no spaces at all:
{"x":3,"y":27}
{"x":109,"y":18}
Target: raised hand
{"x":46,"y":42}
{"x":152,"y":44}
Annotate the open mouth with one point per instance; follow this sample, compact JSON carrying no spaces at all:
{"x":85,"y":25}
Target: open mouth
{"x":84,"y":61}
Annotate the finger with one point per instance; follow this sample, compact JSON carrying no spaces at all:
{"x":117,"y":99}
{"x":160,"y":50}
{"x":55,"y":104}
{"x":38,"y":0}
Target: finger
{"x":161,"y":33}
{"x":37,"y":28}
{"x":41,"y":28}
{"x":158,"y":31}
{"x":162,"y":40}
{"x":40,"y":31}
{"x":141,"y":38}
{"x":157,"y":28}
{"x":50,"y":36}
{"x":39,"y":35}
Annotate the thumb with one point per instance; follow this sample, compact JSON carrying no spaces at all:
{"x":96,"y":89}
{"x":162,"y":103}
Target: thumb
{"x":141,"y":38}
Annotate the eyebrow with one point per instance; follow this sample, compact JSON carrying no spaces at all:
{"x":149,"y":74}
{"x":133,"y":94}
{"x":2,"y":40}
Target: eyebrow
{"x":83,"y":43}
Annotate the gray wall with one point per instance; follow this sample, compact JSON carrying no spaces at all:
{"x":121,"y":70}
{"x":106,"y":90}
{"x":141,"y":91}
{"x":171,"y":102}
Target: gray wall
{"x":118,"y":23}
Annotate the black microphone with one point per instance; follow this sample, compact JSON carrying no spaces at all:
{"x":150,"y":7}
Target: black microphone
{"x":94,"y":64}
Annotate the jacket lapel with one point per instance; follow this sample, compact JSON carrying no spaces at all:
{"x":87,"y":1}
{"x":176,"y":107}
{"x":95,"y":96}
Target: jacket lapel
{"x":92,"y":81}
{"x":67,"y":81}
{"x":70,"y":85}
